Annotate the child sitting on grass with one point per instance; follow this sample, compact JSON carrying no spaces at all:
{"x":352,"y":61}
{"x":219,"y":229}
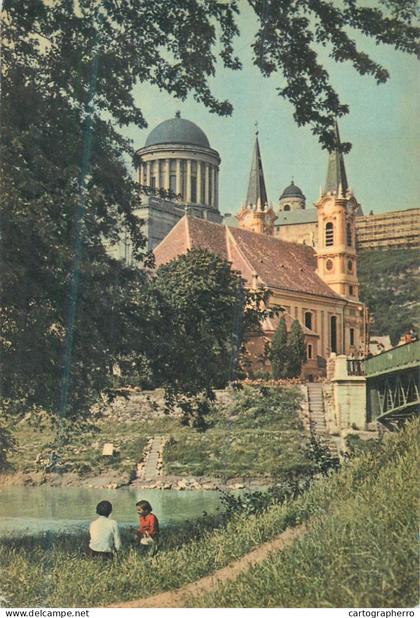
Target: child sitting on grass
{"x":148,"y":531}
{"x":104,"y":533}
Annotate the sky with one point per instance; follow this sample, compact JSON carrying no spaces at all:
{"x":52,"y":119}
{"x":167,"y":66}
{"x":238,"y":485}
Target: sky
{"x":383,"y":127}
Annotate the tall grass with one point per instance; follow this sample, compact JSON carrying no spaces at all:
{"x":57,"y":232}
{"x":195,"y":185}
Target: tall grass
{"x":362,"y":552}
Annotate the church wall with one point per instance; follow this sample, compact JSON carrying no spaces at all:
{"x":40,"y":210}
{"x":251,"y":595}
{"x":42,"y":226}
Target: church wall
{"x":303,"y":233}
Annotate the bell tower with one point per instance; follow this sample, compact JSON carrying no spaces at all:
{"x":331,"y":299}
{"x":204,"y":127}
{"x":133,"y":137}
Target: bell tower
{"x":255,"y":214}
{"x":337,"y":207}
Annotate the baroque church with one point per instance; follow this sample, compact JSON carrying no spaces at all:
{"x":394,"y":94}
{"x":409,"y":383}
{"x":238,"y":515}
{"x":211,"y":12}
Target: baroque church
{"x":178,"y":177}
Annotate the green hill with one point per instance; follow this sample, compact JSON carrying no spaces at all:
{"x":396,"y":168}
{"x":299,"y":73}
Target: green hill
{"x":390,"y":285}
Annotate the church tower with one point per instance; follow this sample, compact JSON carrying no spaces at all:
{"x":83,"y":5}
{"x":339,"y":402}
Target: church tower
{"x":255,"y":214}
{"x":337,"y":207}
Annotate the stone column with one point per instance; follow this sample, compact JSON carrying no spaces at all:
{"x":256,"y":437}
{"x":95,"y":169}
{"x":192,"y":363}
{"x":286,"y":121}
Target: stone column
{"x":188,"y":187}
{"x":148,"y":165}
{"x":207,"y":186}
{"x":216,"y":188}
{"x":213,"y":193}
{"x":178,"y":176}
{"x":167,"y":174}
{"x":157,"y":174}
{"x":199,"y":196}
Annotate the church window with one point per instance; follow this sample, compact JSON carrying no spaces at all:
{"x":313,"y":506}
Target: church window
{"x":172,"y":183}
{"x":351,"y":290}
{"x":287,"y":207}
{"x":350,"y":265}
{"x":329,"y":265}
{"x":308,"y":320}
{"x":349,"y":235}
{"x":352,"y":336}
{"x":153,"y":182}
{"x":333,"y":333}
{"x":309,"y":351}
{"x":329,"y":234}
{"x":161,"y":175}
{"x":182,"y":183}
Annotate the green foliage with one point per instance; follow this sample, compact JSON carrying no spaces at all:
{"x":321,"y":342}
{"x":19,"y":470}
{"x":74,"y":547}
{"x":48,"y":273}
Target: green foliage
{"x":296,"y":350}
{"x":7,"y":444}
{"x":287,"y":352}
{"x":279,"y":351}
{"x":322,"y":457}
{"x":390,"y":285}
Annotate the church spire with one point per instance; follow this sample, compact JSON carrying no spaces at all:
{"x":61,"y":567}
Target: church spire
{"x":256,"y":198}
{"x":336,"y":174}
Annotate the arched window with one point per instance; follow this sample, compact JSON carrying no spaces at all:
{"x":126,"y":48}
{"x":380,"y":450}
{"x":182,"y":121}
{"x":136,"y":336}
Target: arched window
{"x":309,"y":352}
{"x":349,"y":235}
{"x":308,"y":320}
{"x":333,"y":333}
{"x":329,"y":234}
{"x":287,"y":207}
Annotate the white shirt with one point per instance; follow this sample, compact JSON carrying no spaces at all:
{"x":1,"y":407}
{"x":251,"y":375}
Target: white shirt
{"x":104,"y":535}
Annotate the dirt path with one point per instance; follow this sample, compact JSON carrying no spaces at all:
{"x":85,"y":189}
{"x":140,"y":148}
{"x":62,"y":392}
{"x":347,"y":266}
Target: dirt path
{"x":177,"y":598}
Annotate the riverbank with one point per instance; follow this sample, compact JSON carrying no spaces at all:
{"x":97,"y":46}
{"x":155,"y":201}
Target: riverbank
{"x":253,"y":438}
{"x":113,"y":481}
{"x":359,"y":549}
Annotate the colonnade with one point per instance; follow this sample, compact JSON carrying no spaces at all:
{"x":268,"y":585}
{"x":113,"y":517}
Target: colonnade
{"x":196,"y":181}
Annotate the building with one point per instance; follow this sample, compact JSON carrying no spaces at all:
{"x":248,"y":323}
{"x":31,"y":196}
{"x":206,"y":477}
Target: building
{"x":392,"y":230}
{"x":178,"y":171}
{"x":319,"y":288}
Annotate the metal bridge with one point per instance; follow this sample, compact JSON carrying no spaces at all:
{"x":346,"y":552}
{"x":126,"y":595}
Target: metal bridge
{"x":393,"y":385}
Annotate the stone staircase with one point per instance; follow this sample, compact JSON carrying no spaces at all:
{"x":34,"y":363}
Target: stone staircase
{"x":151,"y":467}
{"x":317,"y":420}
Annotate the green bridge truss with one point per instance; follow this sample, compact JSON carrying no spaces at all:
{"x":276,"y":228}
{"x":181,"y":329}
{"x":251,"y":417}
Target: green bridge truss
{"x":393,"y":385}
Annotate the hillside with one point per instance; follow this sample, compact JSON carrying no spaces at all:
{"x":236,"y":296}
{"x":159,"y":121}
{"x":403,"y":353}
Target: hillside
{"x":390,"y":285}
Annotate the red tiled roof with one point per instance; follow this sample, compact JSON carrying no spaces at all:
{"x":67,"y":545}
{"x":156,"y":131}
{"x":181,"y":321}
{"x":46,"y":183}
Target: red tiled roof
{"x":277,"y":263}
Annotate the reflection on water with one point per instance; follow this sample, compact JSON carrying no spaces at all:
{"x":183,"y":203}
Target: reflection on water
{"x":28,"y":510}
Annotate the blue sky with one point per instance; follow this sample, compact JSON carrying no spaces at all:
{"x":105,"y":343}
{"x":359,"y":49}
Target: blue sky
{"x":383,"y":126}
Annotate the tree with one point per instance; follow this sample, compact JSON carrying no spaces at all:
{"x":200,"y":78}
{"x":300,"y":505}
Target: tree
{"x":279,"y":351}
{"x":199,"y":314}
{"x":296,"y":350}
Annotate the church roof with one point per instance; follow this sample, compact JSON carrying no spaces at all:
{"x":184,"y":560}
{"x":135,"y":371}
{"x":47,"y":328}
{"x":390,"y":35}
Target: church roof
{"x":277,"y":263}
{"x":336,"y":173}
{"x":292,"y":191}
{"x":256,"y":185}
{"x":178,"y":131}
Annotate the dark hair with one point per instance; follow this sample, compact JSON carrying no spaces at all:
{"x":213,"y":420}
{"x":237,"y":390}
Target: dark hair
{"x":104,"y":508}
{"x":145,"y":505}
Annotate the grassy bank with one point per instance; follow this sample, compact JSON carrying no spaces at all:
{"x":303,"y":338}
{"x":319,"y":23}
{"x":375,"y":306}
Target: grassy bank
{"x":359,"y":550}
{"x":256,"y":436}
{"x":259,"y":435}
{"x":362,"y":553}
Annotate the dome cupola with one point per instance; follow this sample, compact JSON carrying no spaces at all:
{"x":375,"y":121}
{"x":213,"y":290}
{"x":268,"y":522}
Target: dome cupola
{"x":178,"y":131}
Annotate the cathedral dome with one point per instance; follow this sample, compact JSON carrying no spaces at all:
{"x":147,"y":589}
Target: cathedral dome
{"x":292,"y":191}
{"x":177,"y":131}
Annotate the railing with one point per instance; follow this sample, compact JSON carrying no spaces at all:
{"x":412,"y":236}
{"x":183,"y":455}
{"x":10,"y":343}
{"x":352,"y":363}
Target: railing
{"x":401,"y":357}
{"x":355,"y":367}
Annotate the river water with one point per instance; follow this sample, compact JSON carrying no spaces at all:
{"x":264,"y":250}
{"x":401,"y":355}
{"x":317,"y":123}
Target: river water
{"x":31,"y":510}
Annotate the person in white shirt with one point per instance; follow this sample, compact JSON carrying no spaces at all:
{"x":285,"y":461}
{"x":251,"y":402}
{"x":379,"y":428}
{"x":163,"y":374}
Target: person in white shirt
{"x":104,"y":533}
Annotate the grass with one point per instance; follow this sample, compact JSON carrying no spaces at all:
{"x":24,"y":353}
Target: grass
{"x":361,"y":553}
{"x":258,"y":435}
{"x":360,"y":549}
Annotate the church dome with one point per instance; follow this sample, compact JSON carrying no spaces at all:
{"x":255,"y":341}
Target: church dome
{"x":178,"y":131}
{"x":292,"y":191}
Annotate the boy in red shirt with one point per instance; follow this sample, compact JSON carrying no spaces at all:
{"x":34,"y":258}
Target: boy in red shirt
{"x":148,"y":530}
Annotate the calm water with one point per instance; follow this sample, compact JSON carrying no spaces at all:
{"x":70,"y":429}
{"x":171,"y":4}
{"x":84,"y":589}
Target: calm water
{"x":28,"y":510}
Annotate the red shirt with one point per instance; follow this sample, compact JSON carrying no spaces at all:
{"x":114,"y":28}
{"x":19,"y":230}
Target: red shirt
{"x":148,"y":523}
